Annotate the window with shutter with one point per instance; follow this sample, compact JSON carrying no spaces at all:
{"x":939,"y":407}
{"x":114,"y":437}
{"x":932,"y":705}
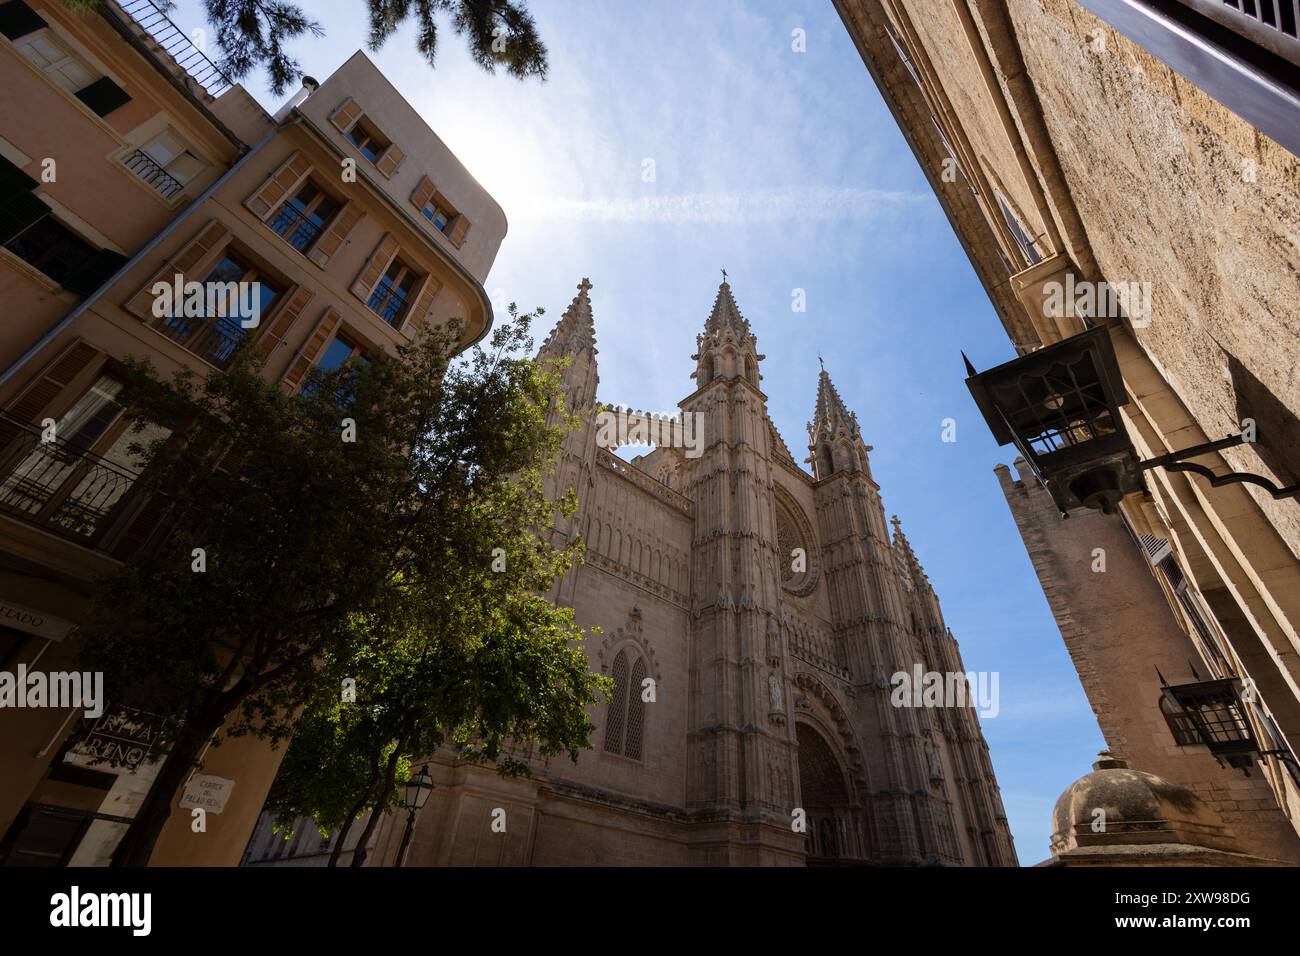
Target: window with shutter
{"x":459,"y":231}
{"x":285,"y":181}
{"x":236,"y":292}
{"x":302,"y":218}
{"x":306,"y":357}
{"x":194,"y":257}
{"x":336,"y":233}
{"x":342,"y":352}
{"x":338,"y":352}
{"x":393,"y":294}
{"x":440,"y":213}
{"x":437,"y":215}
{"x":166,"y":162}
{"x":375,"y":267}
{"x":52,"y":248}
{"x":369,"y":142}
{"x":61,"y":65}
{"x":68,"y":70}
{"x":37,"y":398}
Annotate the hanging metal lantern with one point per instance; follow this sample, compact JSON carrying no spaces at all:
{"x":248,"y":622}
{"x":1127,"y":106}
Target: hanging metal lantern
{"x":1060,"y":406}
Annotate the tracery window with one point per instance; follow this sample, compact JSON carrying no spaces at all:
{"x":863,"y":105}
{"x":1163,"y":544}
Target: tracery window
{"x":625,"y":719}
{"x":794,"y":535}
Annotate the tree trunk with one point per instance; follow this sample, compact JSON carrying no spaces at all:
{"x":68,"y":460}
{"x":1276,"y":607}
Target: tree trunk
{"x":141,"y":837}
{"x":337,"y":851}
{"x":359,"y":855}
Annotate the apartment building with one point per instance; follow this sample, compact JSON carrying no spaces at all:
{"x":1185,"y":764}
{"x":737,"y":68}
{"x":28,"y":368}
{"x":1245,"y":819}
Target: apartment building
{"x":1145,"y":148}
{"x":127,"y":160}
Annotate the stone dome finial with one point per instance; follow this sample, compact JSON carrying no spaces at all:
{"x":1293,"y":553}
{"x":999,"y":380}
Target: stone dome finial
{"x":1108,"y":761}
{"x":1116,"y":816}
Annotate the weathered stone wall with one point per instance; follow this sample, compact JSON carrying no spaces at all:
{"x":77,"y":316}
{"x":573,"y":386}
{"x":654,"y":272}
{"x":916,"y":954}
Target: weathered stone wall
{"x":1120,"y":635}
{"x":1176,"y":190}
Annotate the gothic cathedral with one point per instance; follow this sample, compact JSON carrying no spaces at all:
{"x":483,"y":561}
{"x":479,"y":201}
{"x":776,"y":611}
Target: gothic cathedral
{"x":751,"y":616}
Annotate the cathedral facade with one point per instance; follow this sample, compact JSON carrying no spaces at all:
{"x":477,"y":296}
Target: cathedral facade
{"x":751,"y":616}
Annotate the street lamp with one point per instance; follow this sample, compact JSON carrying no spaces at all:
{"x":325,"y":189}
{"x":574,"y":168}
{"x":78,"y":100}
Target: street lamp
{"x":1060,"y":406}
{"x":415,"y":796}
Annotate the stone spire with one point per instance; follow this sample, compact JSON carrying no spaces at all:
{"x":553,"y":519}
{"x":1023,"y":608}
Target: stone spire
{"x":726,"y":349}
{"x":911,"y":565}
{"x":726,"y":314}
{"x":831,"y":418}
{"x":576,"y":329}
{"x":834,"y":439}
{"x":571,"y":349}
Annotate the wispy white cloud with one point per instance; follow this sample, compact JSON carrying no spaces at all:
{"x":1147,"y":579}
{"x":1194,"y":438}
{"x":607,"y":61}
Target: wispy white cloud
{"x":817,"y":204}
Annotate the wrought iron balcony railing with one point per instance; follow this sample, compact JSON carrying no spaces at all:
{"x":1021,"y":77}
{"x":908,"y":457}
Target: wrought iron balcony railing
{"x":143,"y":165}
{"x":389,"y":302}
{"x":155,"y":22}
{"x":298,"y":230}
{"x":213,"y":340}
{"x":58,"y":485}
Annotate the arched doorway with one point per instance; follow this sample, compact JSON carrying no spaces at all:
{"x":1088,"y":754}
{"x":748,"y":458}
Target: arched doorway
{"x":835,"y":827}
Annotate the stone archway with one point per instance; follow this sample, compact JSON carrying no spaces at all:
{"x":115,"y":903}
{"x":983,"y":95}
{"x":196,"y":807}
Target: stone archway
{"x":835,"y":834}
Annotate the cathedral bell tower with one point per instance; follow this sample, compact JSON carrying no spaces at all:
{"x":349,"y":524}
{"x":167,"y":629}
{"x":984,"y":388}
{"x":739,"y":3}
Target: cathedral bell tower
{"x":872,"y":619}
{"x":741,"y":749}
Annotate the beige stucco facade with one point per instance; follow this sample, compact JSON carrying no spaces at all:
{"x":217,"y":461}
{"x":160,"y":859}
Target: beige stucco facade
{"x":156,"y":173}
{"x":1064,"y":151}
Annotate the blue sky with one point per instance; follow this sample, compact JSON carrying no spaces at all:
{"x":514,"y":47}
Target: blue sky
{"x":787,"y":169}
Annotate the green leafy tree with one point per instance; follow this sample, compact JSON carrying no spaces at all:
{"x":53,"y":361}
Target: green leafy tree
{"x":490,"y":699}
{"x":479,"y":674}
{"x":351,"y":524}
{"x":256,"y":33}
{"x":333,"y":769}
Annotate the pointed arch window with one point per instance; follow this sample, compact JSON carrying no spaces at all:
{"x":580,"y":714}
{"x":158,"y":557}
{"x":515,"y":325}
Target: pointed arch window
{"x":625,"y":718}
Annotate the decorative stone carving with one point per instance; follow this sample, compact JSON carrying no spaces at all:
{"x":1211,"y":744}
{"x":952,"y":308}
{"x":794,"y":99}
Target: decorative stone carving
{"x":773,"y":642}
{"x":934,"y":762}
{"x":630,"y":632}
{"x":794,"y":534}
{"x":775,"y":699}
